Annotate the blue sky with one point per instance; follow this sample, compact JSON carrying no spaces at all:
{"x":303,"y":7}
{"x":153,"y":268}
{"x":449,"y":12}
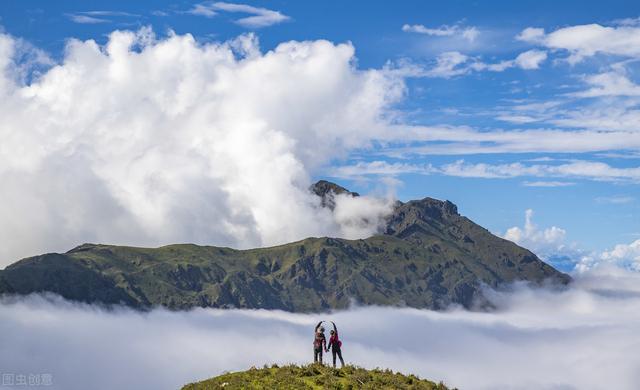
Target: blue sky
{"x":506,"y":116}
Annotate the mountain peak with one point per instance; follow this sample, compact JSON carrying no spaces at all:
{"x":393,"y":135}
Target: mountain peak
{"x":323,"y":187}
{"x":326,"y":190}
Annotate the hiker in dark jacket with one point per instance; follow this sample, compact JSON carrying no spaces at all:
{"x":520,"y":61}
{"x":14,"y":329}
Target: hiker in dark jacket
{"x":319,"y":343}
{"x":335,"y":345}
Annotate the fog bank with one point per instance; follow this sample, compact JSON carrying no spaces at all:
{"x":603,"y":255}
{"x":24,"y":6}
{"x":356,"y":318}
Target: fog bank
{"x":582,"y":338}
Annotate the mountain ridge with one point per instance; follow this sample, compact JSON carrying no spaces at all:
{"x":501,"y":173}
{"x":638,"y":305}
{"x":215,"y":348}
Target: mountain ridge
{"x":428,"y":256}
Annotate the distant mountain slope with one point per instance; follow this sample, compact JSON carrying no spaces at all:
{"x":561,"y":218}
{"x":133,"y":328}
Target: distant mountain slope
{"x":428,"y":257}
{"x":314,"y":376}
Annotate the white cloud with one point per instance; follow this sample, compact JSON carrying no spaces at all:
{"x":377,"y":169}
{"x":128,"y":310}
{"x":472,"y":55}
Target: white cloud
{"x":527,"y":60}
{"x":203,"y":9}
{"x":86,"y":19}
{"x":468,"y":33}
{"x":617,"y":199}
{"x":529,"y":112}
{"x":531,"y":34}
{"x":454,"y":63}
{"x":609,"y":116}
{"x":109,"y":13}
{"x":361,"y":216}
{"x":455,"y":140}
{"x":612,"y":43}
{"x":622,"y":253}
{"x":548,"y":183}
{"x":551,"y":245}
{"x":95,"y":17}
{"x":519,"y":119}
{"x":576,"y":169}
{"x":627,"y":21}
{"x":530,"y":59}
{"x":609,"y":84}
{"x":178,"y":141}
{"x":587,"y":40}
{"x":614,"y":108}
{"x":375,"y":168}
{"x":584,"y":337}
{"x":621,"y":256}
{"x":261,"y":17}
{"x":543,"y":242}
{"x":448,"y":64}
{"x":579,"y":169}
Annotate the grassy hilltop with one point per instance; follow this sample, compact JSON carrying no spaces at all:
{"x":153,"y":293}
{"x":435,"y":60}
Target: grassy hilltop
{"x":315,"y":376}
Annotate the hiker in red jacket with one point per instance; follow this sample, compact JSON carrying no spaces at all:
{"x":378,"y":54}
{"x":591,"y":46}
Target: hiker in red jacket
{"x":335,"y":345}
{"x":319,"y":343}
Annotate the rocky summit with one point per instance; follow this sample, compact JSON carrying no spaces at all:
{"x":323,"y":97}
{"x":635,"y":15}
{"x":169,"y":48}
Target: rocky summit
{"x":427,"y":256}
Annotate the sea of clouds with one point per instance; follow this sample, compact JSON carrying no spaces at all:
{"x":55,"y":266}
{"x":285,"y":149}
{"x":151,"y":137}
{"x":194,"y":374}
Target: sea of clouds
{"x":585,"y":337}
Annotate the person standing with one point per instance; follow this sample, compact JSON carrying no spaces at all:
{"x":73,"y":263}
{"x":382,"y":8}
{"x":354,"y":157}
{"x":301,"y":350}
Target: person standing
{"x":319,"y":343}
{"x":335,"y":345}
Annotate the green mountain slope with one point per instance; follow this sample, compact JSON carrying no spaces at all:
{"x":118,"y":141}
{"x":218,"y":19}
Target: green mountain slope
{"x":428,"y":257}
{"x":313,"y":377}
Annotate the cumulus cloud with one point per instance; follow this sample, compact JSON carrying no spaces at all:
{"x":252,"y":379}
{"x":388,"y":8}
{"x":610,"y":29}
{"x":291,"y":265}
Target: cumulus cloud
{"x":584,"y":337}
{"x":621,"y":256}
{"x":260,"y":17}
{"x":623,"y":253}
{"x":551,"y":245}
{"x":148,"y":141}
{"x":361,"y":217}
{"x":544,"y":242}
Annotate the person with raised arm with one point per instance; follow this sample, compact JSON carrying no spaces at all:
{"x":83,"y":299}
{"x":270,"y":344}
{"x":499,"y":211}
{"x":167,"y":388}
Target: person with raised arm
{"x":319,"y":343}
{"x":335,"y":345}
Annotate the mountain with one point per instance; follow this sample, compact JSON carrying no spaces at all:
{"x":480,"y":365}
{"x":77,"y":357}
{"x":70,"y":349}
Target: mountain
{"x":327,"y":191}
{"x":314,"y":376}
{"x":428,"y":256}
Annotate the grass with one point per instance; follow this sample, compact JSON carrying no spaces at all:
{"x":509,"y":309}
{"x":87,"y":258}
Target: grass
{"x":314,"y":376}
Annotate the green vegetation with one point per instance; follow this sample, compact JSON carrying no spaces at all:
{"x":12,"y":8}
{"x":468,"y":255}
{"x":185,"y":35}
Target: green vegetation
{"x":314,"y":376}
{"x":428,"y":257}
